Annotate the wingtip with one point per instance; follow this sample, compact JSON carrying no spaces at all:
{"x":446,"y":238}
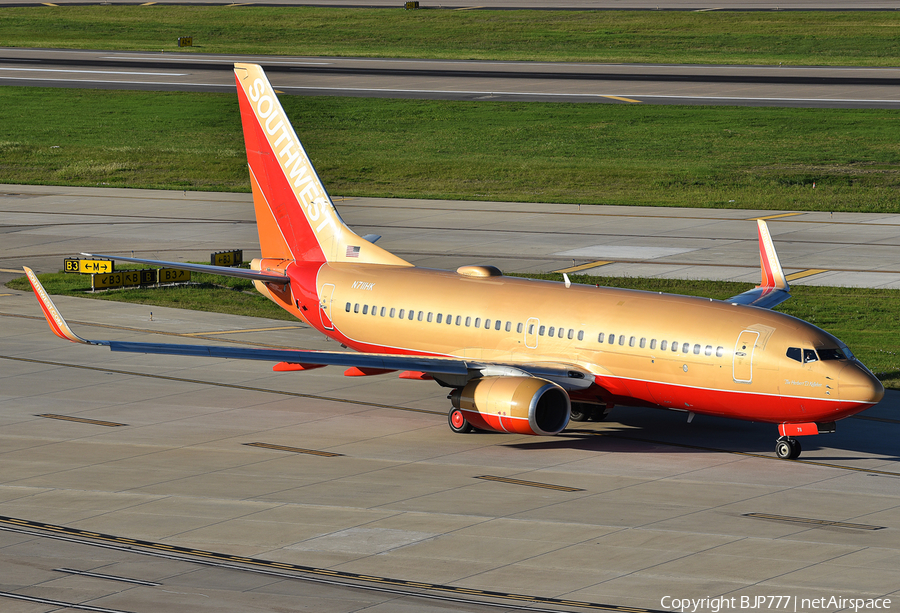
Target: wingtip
{"x":770,"y":267}
{"x":54,"y":319}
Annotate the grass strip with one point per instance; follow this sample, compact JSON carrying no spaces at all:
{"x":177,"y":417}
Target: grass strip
{"x":863,"y":38}
{"x":866,"y":319}
{"x":713,"y":157}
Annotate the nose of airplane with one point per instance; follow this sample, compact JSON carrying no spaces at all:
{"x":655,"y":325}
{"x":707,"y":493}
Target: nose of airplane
{"x":857,"y":384}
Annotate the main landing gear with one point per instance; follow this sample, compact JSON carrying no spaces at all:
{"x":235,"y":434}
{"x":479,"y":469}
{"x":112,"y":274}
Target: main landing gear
{"x":787,"y":448}
{"x":582,"y":411}
{"x":458,"y":422}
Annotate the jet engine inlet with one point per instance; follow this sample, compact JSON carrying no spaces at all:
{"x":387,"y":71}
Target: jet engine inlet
{"x":523,"y":405}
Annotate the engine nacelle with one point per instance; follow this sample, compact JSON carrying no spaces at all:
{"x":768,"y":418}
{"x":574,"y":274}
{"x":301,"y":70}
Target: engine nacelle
{"x":523,"y":405}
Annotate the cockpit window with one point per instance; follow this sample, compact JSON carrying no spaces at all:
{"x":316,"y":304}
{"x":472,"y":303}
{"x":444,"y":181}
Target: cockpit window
{"x":805,"y":356}
{"x":831,"y":354}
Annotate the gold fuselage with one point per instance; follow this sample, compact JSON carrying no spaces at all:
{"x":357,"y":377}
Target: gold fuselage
{"x":700,"y":369}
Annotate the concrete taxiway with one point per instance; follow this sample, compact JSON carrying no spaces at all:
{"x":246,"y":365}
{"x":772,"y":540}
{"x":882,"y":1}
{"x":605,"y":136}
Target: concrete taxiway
{"x":199,"y":484}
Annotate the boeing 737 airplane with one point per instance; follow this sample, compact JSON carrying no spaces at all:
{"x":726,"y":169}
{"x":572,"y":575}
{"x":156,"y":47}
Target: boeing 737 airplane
{"x":517,"y":355}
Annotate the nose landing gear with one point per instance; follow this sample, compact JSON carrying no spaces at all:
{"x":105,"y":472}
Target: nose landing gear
{"x":787,"y":448}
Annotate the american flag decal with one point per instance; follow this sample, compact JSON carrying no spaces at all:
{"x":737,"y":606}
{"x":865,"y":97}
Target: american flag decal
{"x":352,"y":252}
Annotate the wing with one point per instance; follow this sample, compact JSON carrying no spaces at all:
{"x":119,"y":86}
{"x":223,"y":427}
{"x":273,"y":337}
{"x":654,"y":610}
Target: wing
{"x":241,"y":273}
{"x":449,"y":371}
{"x":773,"y":289}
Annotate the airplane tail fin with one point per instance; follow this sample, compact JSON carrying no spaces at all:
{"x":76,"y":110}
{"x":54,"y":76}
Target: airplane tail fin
{"x":295,"y":216}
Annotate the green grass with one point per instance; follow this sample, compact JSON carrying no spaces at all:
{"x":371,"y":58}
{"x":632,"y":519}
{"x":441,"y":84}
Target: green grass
{"x":866,"y":319}
{"x":718,"y":157}
{"x":867,"y":38}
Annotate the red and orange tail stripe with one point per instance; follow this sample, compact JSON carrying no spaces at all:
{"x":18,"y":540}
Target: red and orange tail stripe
{"x":54,"y":319}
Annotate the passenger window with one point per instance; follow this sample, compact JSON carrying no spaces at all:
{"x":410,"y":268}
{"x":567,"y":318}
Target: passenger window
{"x":561,"y":332}
{"x":662,"y":345}
{"x":643,"y":343}
{"x":498,"y":323}
{"x":519,"y":328}
{"x":612,"y":339}
{"x":374,"y":310}
{"x":365,"y":309}
{"x":686,"y":348}
{"x":675,"y":346}
{"x":458,"y":319}
{"x":708,"y":350}
{"x":412,"y":315}
{"x":571,"y":334}
{"x":382,"y":311}
{"x":348,"y":307}
{"x":696,"y":349}
{"x":356,"y":308}
{"x":468,"y":321}
{"x":530,"y":328}
{"x":541,"y":330}
{"x":402,"y":311}
{"x":477,"y":322}
{"x":429,"y":318}
{"x":720,"y":351}
{"x":487,"y":324}
{"x":581,"y":335}
{"x":440,"y":318}
{"x":600,"y":337}
{"x":653,"y":344}
{"x":621,"y":339}
{"x":393,"y":311}
{"x":809,"y":356}
{"x":552,"y":330}
{"x":631,"y":341}
{"x":421,"y":314}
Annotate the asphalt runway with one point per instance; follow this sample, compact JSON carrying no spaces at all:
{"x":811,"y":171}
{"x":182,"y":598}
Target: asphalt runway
{"x":197,"y":484}
{"x":812,"y":87}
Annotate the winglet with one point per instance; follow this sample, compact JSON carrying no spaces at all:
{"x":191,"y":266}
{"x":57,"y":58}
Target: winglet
{"x":54,"y":318}
{"x":770,"y":268}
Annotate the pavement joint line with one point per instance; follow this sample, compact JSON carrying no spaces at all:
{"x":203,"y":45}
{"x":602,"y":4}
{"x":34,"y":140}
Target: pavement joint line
{"x":219,"y":384}
{"x":60,"y":603}
{"x":239,"y":331}
{"x":886,"y":420}
{"x":747,"y":453}
{"x":546,"y":486}
{"x":268,"y":567}
{"x":324,"y":454}
{"x":814,"y":522}
{"x":148,"y":331}
{"x":805,"y":273}
{"x":85,"y":573}
{"x":81,"y":420}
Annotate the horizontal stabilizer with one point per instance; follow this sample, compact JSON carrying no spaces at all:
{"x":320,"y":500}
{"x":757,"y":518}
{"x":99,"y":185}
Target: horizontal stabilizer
{"x":240,"y":273}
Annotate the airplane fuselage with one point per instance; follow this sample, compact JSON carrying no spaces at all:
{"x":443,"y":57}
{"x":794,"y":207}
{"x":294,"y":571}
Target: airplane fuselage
{"x":678,"y":352}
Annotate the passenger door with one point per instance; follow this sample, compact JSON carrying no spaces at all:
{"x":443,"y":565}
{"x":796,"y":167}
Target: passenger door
{"x":742,"y":365}
{"x":326,"y":294}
